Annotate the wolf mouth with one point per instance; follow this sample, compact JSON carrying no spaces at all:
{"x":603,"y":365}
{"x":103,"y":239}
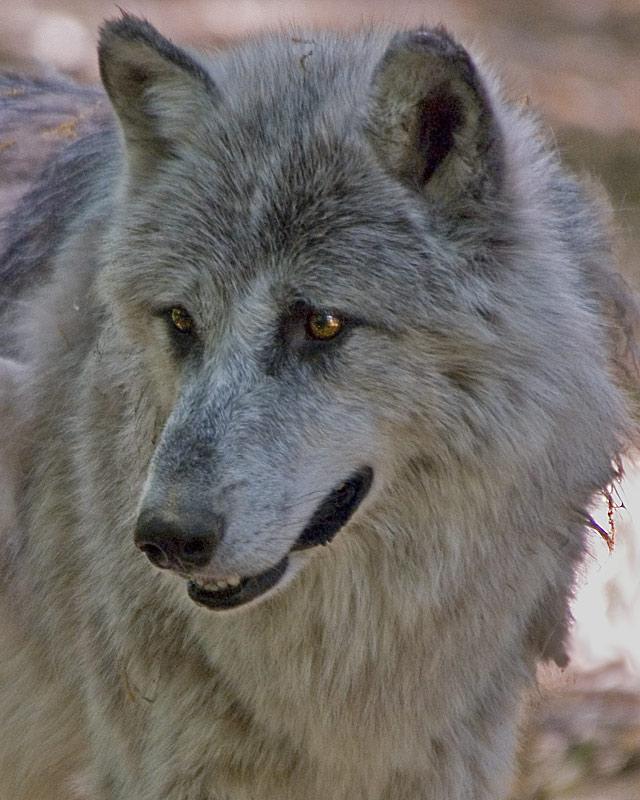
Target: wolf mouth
{"x":330,"y":516}
{"x":233,"y":596}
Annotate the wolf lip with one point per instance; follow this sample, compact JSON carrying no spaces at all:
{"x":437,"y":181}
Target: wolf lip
{"x":233,"y":596}
{"x":335,"y":510}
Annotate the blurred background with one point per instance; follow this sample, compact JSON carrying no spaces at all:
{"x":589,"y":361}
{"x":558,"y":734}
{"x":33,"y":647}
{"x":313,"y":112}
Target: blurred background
{"x":578,"y":63}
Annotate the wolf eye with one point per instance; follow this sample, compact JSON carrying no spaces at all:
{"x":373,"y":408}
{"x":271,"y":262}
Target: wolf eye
{"x":323,"y":325}
{"x":181,"y":320}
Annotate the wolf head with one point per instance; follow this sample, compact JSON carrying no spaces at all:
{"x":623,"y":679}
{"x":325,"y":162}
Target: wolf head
{"x":348,"y":288}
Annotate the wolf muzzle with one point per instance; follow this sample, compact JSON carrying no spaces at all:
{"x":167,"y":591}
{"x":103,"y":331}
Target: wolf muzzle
{"x":190,"y":547}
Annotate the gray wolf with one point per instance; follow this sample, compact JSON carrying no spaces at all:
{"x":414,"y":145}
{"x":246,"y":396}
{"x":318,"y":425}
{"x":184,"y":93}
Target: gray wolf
{"x":314,"y":359}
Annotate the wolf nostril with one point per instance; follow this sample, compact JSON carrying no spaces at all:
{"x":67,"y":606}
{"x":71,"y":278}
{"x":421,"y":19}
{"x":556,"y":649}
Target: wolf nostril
{"x":194,"y":546}
{"x":155,"y":554}
{"x":177,"y":552}
{"x":195,"y":552}
{"x":182,"y":544}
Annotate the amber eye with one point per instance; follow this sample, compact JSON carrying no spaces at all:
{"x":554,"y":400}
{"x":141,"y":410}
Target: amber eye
{"x":323,"y":325}
{"x":181,"y":320}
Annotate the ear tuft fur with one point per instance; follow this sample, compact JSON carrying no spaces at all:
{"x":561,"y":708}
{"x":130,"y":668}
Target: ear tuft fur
{"x":137,"y":31}
{"x":156,"y":88}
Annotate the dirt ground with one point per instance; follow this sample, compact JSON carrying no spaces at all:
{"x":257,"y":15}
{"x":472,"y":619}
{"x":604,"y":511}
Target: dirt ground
{"x":578,"y":61}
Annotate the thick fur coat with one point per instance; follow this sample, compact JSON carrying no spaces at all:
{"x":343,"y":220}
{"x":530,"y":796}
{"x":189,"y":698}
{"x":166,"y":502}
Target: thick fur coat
{"x":313,"y":290}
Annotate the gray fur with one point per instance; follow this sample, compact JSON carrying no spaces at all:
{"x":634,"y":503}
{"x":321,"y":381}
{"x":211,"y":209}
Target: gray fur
{"x":483,"y":378}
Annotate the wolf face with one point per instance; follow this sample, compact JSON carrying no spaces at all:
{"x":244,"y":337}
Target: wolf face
{"x":253,"y":215}
{"x":277,"y":431}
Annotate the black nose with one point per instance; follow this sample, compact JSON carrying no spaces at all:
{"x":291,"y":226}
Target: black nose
{"x":177,"y":545}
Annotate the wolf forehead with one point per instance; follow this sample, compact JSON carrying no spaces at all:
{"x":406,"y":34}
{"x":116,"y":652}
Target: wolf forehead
{"x":266,"y":128}
{"x":281,"y":169}
{"x":312,"y":219}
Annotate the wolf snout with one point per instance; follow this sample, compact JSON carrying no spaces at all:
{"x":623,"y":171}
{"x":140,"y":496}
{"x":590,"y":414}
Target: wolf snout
{"x":175,"y":544}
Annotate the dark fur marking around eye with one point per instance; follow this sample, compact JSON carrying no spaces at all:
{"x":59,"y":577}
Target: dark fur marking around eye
{"x":183,"y":342}
{"x":292,"y":342}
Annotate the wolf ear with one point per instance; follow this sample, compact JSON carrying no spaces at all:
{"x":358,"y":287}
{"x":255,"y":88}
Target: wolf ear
{"x":430,"y":119}
{"x":156,"y":89}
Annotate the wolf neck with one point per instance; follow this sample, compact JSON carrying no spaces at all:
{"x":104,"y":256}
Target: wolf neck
{"x":353,"y":644}
{"x":334,"y":645}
